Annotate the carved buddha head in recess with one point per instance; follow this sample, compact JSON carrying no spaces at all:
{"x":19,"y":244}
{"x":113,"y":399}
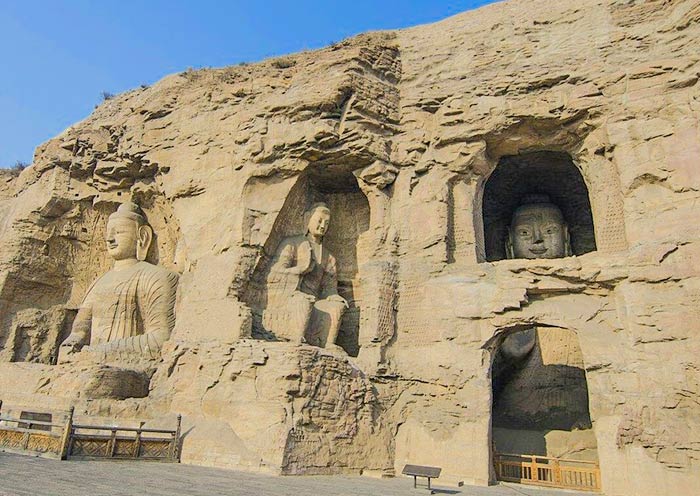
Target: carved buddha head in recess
{"x":318,"y":218}
{"x":128,"y":234}
{"x":538,"y":230}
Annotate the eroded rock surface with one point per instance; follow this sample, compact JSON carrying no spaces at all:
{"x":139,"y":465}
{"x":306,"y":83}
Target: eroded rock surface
{"x":398,"y":133}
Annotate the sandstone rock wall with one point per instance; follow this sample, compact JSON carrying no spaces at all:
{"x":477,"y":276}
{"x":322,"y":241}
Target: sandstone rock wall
{"x":400,"y":131}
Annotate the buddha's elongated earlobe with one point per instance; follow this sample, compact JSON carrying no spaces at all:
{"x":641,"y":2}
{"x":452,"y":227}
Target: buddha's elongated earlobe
{"x":509,"y":246}
{"x":567,"y":243}
{"x":143,"y":243}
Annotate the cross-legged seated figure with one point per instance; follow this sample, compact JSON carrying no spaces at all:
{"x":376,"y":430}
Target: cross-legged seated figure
{"x":538,"y":230}
{"x":303,"y":300}
{"x":131,"y":307}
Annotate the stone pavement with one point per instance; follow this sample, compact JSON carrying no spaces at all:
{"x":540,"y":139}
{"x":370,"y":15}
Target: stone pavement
{"x":29,"y":476}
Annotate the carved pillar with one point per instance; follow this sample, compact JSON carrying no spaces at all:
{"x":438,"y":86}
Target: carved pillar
{"x":377,"y":267}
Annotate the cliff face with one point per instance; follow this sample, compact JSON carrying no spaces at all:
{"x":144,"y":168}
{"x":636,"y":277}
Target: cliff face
{"x":595,"y":103}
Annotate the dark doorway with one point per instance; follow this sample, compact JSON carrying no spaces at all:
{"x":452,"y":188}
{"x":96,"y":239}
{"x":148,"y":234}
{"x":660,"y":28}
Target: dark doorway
{"x":540,"y":395}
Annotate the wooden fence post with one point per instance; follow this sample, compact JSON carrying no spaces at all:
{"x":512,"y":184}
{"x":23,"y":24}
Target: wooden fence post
{"x":67,"y":431}
{"x":137,"y":441}
{"x":112,"y":446}
{"x":557,"y":472}
{"x":534,"y":475}
{"x":174,"y":450}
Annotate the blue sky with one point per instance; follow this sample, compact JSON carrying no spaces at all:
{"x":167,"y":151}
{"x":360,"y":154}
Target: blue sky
{"x":57,"y":57}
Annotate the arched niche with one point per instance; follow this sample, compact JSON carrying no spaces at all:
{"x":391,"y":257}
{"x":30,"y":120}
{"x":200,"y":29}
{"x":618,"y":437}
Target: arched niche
{"x":350,"y":216}
{"x":543,"y":172}
{"x":540,"y":397}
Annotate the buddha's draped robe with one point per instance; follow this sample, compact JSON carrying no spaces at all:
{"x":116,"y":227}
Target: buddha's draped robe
{"x":293,"y":297}
{"x":320,"y":278}
{"x":130,"y":309}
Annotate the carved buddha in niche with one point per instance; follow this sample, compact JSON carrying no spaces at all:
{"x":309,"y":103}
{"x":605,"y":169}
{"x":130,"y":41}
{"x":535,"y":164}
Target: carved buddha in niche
{"x":303,"y":300}
{"x":538,"y":230}
{"x":131,"y":307}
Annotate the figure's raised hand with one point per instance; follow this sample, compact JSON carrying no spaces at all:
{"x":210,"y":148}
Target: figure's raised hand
{"x":305,"y":255}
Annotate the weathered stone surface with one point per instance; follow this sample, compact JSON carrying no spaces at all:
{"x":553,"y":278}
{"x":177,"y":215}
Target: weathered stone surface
{"x":399,"y":133}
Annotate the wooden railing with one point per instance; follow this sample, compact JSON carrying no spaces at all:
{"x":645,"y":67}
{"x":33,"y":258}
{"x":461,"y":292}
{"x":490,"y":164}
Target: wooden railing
{"x":548,"y":471}
{"x":18,"y":435}
{"x":92,"y":441}
{"x":71,"y":440}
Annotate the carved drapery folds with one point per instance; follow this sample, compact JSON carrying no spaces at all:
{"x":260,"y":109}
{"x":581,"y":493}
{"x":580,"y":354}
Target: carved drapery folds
{"x":131,"y":308}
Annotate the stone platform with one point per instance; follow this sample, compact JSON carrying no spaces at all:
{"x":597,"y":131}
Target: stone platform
{"x":29,"y":476}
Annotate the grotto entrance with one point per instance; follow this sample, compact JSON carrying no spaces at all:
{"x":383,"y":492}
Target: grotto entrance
{"x":541,"y":426}
{"x":548,"y":174}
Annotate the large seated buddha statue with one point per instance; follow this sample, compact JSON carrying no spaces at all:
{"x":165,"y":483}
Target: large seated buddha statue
{"x":303,"y":301}
{"x":538,"y":230}
{"x":131,"y":307}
